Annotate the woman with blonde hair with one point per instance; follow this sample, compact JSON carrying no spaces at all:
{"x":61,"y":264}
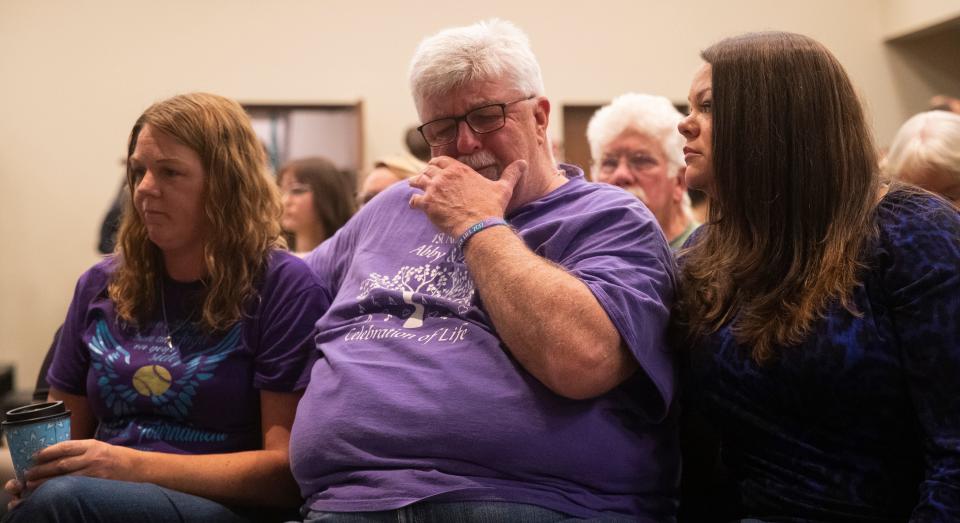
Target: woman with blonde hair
{"x":182,"y":356}
{"x":386,"y":172}
{"x":817,"y":309}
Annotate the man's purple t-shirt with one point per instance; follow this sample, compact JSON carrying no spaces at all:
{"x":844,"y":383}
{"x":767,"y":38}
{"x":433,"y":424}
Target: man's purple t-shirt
{"x":202,"y":395}
{"x":415,"y":396}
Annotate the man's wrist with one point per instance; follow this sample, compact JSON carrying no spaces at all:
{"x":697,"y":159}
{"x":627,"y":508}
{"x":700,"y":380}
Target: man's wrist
{"x":477,"y":227}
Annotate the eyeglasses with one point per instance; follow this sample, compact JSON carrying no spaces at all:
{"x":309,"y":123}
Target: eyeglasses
{"x":295,"y":190}
{"x":636,"y":162}
{"x":481,"y":120}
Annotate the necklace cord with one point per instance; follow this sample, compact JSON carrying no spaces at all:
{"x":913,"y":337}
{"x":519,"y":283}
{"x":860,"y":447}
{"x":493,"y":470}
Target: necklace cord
{"x":166,"y":323}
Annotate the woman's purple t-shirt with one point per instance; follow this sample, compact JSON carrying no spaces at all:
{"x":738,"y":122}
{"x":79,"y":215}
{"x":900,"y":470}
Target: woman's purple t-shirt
{"x":203,"y":394}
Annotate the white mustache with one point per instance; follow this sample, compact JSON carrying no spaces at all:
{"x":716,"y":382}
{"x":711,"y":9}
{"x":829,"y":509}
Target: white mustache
{"x":637,"y":191}
{"x":478,"y":159}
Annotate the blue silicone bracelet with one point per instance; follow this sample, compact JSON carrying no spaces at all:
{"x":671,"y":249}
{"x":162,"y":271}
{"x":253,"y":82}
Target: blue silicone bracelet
{"x":477,"y":227}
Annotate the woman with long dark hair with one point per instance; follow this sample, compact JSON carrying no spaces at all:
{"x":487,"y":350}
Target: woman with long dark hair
{"x":818,"y":310}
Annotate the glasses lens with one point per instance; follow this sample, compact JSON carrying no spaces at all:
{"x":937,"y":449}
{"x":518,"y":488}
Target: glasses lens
{"x":641,"y":162}
{"x":486,"y":119}
{"x":440,"y":132}
{"x":609,"y":163}
{"x":296,"y":190}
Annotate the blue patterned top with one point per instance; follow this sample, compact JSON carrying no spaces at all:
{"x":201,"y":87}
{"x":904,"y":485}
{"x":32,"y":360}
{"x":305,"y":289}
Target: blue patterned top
{"x":862,"y":421}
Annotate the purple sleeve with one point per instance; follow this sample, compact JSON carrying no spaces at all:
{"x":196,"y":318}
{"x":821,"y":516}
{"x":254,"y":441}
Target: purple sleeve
{"x":331,"y":260}
{"x":923,"y":283}
{"x":292,"y":302}
{"x":71,"y":359}
{"x":626,"y":263}
{"x":322,"y":262}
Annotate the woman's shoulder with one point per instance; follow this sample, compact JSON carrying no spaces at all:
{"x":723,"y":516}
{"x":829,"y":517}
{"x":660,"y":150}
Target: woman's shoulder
{"x":99,"y":274}
{"x":907,"y":208}
{"x":908,"y":217}
{"x":288,"y":287}
{"x":285,"y":268}
{"x":280,"y":261}
{"x":918,"y":236}
{"x":92,"y":284}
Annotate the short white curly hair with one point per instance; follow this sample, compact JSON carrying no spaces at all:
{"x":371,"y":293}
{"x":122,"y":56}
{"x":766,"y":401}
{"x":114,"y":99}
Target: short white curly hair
{"x":489,"y":50}
{"x":928,"y":141}
{"x":654,"y":116}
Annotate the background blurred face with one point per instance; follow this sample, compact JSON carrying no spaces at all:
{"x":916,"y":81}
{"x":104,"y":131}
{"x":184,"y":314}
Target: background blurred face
{"x":637,"y":163}
{"x":697,"y":128}
{"x":379,"y":179}
{"x":169,"y":189}
{"x":297,"y":199}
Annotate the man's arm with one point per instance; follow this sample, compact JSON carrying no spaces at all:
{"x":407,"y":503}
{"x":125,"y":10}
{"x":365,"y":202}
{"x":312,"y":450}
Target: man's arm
{"x":549,"y":319}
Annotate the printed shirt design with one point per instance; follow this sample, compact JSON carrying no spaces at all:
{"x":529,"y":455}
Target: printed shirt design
{"x":149,"y":376}
{"x":417,"y":397}
{"x":435,"y":289}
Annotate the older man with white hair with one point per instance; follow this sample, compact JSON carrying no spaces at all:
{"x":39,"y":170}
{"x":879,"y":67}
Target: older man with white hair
{"x":635,"y":145}
{"x":493,"y":349}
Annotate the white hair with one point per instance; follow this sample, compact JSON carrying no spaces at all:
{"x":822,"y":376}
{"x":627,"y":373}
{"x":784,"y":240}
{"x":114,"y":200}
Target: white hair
{"x":928,"y":141}
{"x":488,"y":50}
{"x":651,"y":115}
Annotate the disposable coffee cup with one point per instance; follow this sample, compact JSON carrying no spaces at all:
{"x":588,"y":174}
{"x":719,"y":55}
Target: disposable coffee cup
{"x":32,"y":428}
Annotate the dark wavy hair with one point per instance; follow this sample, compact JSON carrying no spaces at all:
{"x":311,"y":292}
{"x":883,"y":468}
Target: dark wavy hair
{"x":241,"y":207}
{"x":795,"y":184}
{"x":333,"y":190}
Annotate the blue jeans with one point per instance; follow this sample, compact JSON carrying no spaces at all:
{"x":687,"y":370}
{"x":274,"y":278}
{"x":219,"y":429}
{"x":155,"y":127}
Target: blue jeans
{"x":456,"y":512}
{"x":82,"y":499}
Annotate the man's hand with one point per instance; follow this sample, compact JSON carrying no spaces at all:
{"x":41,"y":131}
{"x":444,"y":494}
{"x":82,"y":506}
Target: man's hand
{"x":456,"y":197}
{"x":85,"y":457}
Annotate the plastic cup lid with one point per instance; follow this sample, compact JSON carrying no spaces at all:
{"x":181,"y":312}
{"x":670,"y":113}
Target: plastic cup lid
{"x":35,"y":412}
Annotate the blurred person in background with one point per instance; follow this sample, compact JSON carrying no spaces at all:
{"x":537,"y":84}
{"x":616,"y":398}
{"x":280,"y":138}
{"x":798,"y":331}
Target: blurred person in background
{"x":107,"y":240}
{"x":386,"y":172}
{"x":416,"y":145}
{"x":317,"y":200}
{"x":926,"y":153}
{"x":943,"y":102}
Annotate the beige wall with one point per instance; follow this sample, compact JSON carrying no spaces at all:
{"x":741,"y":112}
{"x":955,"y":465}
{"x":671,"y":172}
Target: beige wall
{"x":922,"y":49}
{"x":75,"y":75}
{"x":902,"y":17}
